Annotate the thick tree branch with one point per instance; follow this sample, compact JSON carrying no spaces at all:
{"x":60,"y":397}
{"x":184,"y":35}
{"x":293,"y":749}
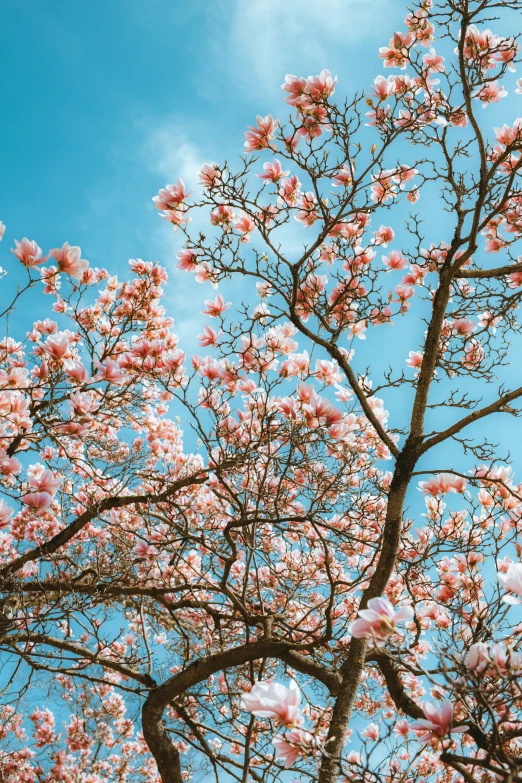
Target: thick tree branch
{"x":82,"y":652}
{"x":494,"y":407}
{"x":481,"y":274}
{"x":154,"y":731}
{"x":64,"y":536}
{"x":305,"y":665}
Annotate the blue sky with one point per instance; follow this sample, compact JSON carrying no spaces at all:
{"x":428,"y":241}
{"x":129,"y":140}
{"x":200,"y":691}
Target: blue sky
{"x":105,"y":102}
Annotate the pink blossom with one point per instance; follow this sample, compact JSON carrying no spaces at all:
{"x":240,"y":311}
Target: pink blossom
{"x":244,"y":225}
{"x":2,"y":230}
{"x":384,"y":187}
{"x":477,"y":658}
{"x":204,"y":273}
{"x":343,"y":177}
{"x":294,"y":743}
{"x":463,"y":326}
{"x":187,"y":259}
{"x":504,"y":660}
{"x":395,"y":260}
{"x":5,"y":514}
{"x":210,"y":174}
{"x":396,"y":55}
{"x":357,"y":329}
{"x":216,"y":307}
{"x":508,"y":135}
{"x":327,"y":372}
{"x":433,"y":61}
{"x":371,"y":732}
{"x":383,"y":87}
{"x":437,"y":723}
{"x":76,"y":370}
{"x":473,"y":354}
{"x":497,"y":661}
{"x":37,"y":499}
{"x":110,"y":371}
{"x":77,"y":737}
{"x":404,"y":292}
{"x":44,"y":727}
{"x":295,"y":86}
{"x":443,"y":483}
{"x":82,"y":403}
{"x":415,"y":359}
{"x":28,"y":252}
{"x":176,"y":216}
{"x":273,"y":171}
{"x":404,"y":174}
{"x":491,"y":92}
{"x":273,"y":700}
{"x":259,"y":138}
{"x":56,"y":346}
{"x":512,"y":580}
{"x":314,"y":118}
{"x":489,"y":321}
{"x":69,"y":261}
{"x":519,"y":87}
{"x":222,"y":216}
{"x":145,"y":551}
{"x":383,"y":236}
{"x":209,"y":337}
{"x":171,"y":196}
{"x":506,"y":56}
{"x":46,"y":482}
{"x":320,"y":87}
{"x":380,"y":619}
{"x":402,"y":728}
{"x":319,"y":412}
{"x":307,"y":213}
{"x":290,"y":190}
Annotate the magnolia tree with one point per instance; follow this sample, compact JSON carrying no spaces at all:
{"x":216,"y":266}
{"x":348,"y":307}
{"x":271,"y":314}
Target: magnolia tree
{"x":270,"y":596}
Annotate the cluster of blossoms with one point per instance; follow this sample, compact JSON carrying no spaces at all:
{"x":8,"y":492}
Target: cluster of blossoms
{"x":280,"y":703}
{"x":281,"y":538}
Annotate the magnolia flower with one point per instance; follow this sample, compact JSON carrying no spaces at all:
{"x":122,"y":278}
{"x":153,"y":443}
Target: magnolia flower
{"x":28,"y":252}
{"x":273,"y":171}
{"x":57,"y":346}
{"x":110,"y":372}
{"x":171,"y":196}
{"x":371,"y":732}
{"x":477,"y":658}
{"x":497,"y":661}
{"x":69,"y":261}
{"x":37,"y":499}
{"x":273,"y":700}
{"x":512,"y":580}
{"x":503,"y":660}
{"x":294,"y":743}
{"x":216,"y":307}
{"x":209,"y":174}
{"x":258,"y":138}
{"x":437,"y":723}
{"x":46,"y":482}
{"x":5,"y":514}
{"x":379,"y":620}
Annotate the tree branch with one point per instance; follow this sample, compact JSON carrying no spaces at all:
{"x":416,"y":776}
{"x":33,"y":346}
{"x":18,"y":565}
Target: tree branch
{"x":495,"y":407}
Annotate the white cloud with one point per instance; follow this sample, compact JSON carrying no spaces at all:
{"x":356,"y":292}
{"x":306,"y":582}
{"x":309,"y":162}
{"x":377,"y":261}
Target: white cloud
{"x":169,"y":151}
{"x":268,"y":38}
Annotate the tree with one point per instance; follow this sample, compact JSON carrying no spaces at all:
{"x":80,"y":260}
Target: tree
{"x":270,"y":596}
